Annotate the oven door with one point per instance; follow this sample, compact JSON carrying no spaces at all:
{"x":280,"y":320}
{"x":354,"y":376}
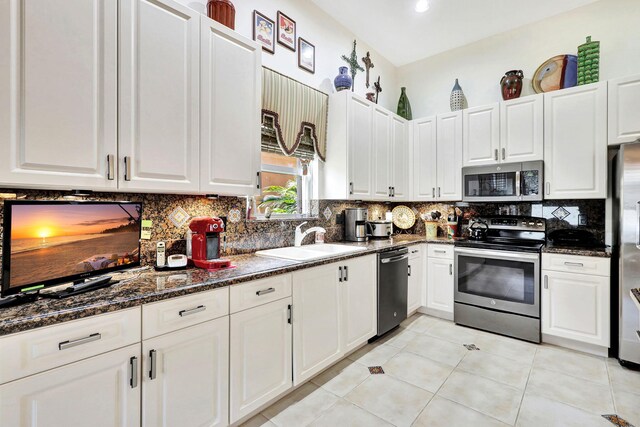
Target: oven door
{"x":499,"y":280}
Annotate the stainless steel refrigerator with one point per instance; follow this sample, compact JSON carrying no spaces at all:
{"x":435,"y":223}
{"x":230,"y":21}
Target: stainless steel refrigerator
{"x":626,"y":251}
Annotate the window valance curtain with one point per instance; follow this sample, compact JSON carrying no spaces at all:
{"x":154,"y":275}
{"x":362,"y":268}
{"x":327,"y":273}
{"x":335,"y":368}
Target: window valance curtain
{"x":299,"y":114}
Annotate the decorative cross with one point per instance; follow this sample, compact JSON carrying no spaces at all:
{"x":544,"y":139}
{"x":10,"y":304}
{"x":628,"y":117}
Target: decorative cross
{"x":367,"y":65}
{"x":378,"y":88}
{"x":354,"y":67}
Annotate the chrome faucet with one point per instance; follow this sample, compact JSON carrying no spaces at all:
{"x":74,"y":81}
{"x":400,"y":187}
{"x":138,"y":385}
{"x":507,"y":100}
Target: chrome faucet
{"x":301,"y":235}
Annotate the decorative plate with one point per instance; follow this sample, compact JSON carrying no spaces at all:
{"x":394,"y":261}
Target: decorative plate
{"x":559,"y":72}
{"x":403,"y":217}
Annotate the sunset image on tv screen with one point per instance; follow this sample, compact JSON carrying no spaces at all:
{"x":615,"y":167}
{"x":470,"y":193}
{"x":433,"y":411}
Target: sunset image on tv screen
{"x":49,"y":241}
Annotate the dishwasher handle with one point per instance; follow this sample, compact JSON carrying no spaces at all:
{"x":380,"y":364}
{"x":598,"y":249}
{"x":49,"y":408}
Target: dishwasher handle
{"x":394,"y":259}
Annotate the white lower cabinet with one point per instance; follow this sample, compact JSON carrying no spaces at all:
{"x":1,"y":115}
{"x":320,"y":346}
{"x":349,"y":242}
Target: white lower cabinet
{"x":440,"y":282}
{"x":576,"y":306}
{"x":417,"y":258}
{"x":334,"y":311}
{"x":99,"y":391}
{"x":185,"y":376}
{"x":260,"y":362}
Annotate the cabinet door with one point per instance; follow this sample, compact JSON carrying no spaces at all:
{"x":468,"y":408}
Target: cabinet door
{"x":481,"y":135}
{"x":58,"y":94}
{"x":576,"y":306}
{"x":231,"y":78}
{"x":317,"y":313}
{"x":359,"y":308}
{"x":97,"y":391}
{"x":381,"y":151}
{"x":440,"y":284}
{"x":360,"y":151}
{"x":159,"y":100}
{"x":260,"y":352}
{"x":424,"y":159}
{"x":400,"y":153}
{"x":449,"y":156}
{"x":575,"y":143}
{"x":416,"y":278}
{"x":522,"y":129}
{"x":624,"y":110}
{"x":188,"y":382}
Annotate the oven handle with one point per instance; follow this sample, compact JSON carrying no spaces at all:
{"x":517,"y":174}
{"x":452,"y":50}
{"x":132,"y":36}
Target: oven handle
{"x":487,"y":253}
{"x":518,"y":183}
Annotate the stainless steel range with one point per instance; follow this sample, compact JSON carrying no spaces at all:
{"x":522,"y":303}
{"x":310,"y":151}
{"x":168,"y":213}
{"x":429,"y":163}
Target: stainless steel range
{"x":497,"y":278}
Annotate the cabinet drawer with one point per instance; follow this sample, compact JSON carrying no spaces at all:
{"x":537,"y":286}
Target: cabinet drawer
{"x":30,"y":352}
{"x":416,"y":251}
{"x":166,"y":316}
{"x":576,"y":264}
{"x":440,"y":251}
{"x":258,"y":292}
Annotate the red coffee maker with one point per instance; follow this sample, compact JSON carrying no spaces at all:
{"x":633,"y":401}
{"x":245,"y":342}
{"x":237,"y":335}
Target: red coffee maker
{"x":205,"y":243}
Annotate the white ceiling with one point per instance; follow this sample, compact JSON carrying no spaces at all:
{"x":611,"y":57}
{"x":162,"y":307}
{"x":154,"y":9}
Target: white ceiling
{"x":400,"y":34}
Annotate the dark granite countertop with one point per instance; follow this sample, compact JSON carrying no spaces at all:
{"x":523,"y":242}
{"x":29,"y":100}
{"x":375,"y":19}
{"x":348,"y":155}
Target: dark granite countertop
{"x":573,"y":250}
{"x":136,"y":288}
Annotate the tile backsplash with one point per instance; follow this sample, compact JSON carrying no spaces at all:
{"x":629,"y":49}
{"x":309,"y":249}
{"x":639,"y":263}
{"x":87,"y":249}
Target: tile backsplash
{"x":248,"y":236}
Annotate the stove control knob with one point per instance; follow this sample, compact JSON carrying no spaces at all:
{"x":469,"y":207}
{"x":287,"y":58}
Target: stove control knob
{"x":539,"y":224}
{"x":531,"y":223}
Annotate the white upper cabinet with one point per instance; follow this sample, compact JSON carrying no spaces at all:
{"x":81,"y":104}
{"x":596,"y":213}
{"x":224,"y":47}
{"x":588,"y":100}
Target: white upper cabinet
{"x":424,"y":155}
{"x":401,"y":159}
{"x":58,"y":94}
{"x":624,"y":110}
{"x":159,"y":102}
{"x":449,"y":156}
{"x":381,"y":150}
{"x":360,"y":154}
{"x":575,"y":142}
{"x":481,"y":138}
{"x":522,"y":129}
{"x":230,"y":106}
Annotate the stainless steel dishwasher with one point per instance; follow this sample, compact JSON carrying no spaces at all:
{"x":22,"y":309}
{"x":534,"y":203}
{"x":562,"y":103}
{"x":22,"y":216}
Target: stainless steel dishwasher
{"x":393,"y":282}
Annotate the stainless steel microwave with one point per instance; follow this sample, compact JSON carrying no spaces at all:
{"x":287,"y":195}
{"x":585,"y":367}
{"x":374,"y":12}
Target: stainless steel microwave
{"x":510,"y":182}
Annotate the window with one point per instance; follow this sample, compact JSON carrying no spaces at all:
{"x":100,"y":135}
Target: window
{"x":287,"y":182}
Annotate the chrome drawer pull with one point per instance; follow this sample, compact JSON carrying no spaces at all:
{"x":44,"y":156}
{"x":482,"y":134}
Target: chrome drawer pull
{"x":574,"y":264}
{"x":191,"y":311}
{"x":265,"y":291}
{"x":133,"y":380}
{"x":152,"y":362}
{"x":450,"y":269}
{"x":73,"y":343}
{"x":546,"y":282}
{"x":414,"y":251}
{"x":439,"y":251}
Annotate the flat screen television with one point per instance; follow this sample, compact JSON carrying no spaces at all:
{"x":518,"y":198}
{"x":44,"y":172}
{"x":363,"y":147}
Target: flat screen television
{"x":46,"y":243}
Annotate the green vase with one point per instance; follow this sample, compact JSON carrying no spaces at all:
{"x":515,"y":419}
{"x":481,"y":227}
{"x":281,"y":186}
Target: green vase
{"x":404,"y":106}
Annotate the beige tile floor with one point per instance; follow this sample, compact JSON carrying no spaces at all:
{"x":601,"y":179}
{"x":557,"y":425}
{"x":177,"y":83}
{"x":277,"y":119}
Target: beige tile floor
{"x":431,"y":379}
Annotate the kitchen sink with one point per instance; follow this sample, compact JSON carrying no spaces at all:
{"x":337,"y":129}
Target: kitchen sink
{"x":310,"y":252}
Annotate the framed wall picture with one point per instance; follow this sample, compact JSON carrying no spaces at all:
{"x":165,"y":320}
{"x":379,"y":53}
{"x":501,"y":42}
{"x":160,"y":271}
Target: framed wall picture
{"x":286,"y":31}
{"x":306,"y":55}
{"x":264,"y":32}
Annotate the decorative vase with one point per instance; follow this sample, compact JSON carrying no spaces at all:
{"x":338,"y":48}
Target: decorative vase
{"x":457,"y":101}
{"x":222,"y":11}
{"x":511,"y":84}
{"x":588,"y":62}
{"x":343,"y":81}
{"x":404,"y":106}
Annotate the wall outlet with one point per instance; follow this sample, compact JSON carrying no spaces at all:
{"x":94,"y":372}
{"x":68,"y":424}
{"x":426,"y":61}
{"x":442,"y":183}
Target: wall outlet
{"x":582,"y":219}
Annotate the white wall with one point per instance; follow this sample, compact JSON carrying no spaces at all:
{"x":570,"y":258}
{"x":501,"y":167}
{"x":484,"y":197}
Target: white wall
{"x":331,"y":39}
{"x":481,"y":65}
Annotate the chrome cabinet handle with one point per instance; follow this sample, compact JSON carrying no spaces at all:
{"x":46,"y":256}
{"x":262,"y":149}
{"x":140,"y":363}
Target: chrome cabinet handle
{"x":133,"y":379}
{"x":438,"y":192}
{"x":574,"y":264}
{"x":546,"y":281}
{"x":415,"y":251}
{"x":152,"y":368}
{"x":409,"y":270}
{"x":127,"y":168}
{"x":351,"y":188}
{"x":346,"y":273}
{"x":504,"y":153}
{"x":495,"y":154}
{"x":433,"y":192}
{"x":258,"y":180}
{"x":393,"y":191}
{"x":289,"y":313}
{"x":450,"y":269}
{"x":439,"y":251}
{"x":73,"y":343}
{"x":198,"y":309}
{"x":548,"y":187}
{"x":265,"y":291}
{"x":340,"y":272}
{"x":110,"y":171}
